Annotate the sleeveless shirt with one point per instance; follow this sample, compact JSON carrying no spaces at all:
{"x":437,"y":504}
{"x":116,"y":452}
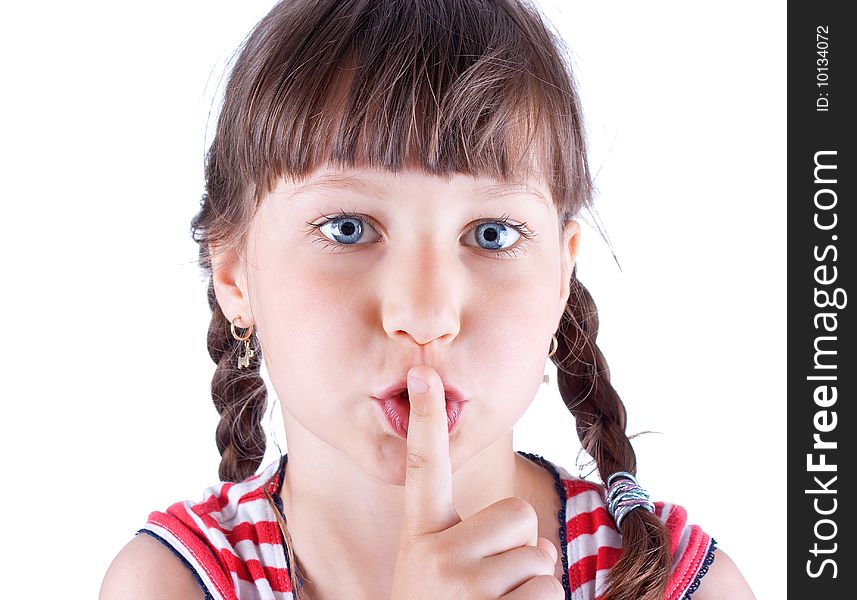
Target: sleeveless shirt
{"x":233,"y":546}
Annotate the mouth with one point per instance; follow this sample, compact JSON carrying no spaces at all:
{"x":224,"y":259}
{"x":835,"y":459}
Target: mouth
{"x":396,"y":407}
{"x":400,"y":390}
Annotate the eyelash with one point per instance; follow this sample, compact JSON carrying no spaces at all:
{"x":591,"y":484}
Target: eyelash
{"x":522,"y":229}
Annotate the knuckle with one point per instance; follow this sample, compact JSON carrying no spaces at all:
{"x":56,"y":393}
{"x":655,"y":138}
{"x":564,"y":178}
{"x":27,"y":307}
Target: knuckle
{"x":523,"y":510}
{"x":409,"y":541}
{"x":416,"y":461}
{"x":546,"y":558}
{"x":456,"y":550}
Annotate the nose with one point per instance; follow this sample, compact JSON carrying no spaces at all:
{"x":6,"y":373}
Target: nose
{"x":421,"y":294}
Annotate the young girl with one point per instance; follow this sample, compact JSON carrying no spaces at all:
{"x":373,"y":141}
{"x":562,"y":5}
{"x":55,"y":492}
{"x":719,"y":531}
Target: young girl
{"x":389,"y":221}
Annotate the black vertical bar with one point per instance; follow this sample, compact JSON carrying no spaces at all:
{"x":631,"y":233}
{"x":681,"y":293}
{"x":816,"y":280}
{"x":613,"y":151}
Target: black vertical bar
{"x":822,"y":363}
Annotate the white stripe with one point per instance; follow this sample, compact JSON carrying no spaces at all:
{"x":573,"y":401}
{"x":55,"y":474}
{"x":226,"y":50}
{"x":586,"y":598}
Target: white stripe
{"x":267,"y":554}
{"x":601,"y":580}
{"x":215,"y":536}
{"x":588,"y":544}
{"x":665,"y":511}
{"x":270,"y":555}
{"x":250,"y":591}
{"x":563,"y":474}
{"x":234,"y":513}
{"x":586,"y":501}
{"x":593,"y":587}
{"x":231,"y":510}
{"x":584,"y":592}
{"x":683,"y":541}
{"x":260,"y":590}
{"x":684,"y":535}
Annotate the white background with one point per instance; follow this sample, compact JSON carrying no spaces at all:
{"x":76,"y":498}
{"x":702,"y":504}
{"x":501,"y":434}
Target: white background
{"x":106,"y":413}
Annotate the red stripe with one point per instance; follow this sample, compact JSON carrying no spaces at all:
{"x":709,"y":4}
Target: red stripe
{"x":261,"y":532}
{"x":675,"y":523}
{"x":573,"y":487}
{"x":211,"y":522}
{"x":584,"y":569}
{"x":595,"y":515}
{"x":689,"y":563}
{"x":257,"y":494}
{"x":214,"y":503}
{"x":180,"y":512}
{"x":196,"y":527}
{"x":252,"y":570}
{"x":588,"y":523}
{"x":199,"y":543}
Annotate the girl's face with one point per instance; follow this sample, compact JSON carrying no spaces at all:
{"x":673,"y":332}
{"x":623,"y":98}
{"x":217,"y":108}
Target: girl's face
{"x":422,"y":271}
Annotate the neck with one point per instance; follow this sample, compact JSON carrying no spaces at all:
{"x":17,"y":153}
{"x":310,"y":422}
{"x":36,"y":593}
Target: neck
{"x":345,"y":523}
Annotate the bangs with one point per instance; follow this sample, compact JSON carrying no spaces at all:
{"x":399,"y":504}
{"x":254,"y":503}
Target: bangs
{"x":467,"y":87}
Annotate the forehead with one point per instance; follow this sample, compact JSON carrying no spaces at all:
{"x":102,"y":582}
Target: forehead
{"x":381,"y":184}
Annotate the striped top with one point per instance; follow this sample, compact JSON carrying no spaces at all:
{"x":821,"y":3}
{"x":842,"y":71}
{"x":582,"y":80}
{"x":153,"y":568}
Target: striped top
{"x":233,"y":546}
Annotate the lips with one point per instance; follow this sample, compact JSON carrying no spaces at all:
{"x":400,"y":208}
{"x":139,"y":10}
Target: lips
{"x":450,"y":392}
{"x":397,"y":411}
{"x":396,"y":407}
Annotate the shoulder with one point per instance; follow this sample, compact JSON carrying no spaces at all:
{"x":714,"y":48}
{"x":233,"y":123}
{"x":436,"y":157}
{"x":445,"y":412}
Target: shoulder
{"x":228,"y":543}
{"x":594,"y":544}
{"x":145,"y":570}
{"x":723,"y":581}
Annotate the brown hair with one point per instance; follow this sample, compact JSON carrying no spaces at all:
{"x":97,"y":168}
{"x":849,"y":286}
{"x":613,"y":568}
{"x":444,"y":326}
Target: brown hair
{"x":479,"y":87}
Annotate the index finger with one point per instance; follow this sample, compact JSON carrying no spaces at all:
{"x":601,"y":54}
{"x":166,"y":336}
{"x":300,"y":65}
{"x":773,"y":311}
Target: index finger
{"x":428,"y":480}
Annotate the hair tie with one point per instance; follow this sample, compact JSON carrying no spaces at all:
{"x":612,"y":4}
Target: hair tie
{"x":624,"y":494}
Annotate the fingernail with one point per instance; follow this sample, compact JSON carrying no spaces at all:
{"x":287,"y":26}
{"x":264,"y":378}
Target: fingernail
{"x":417,"y":385}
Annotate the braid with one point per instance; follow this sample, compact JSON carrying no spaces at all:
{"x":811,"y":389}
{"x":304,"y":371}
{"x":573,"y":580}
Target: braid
{"x":240,"y":397}
{"x":584,"y":384}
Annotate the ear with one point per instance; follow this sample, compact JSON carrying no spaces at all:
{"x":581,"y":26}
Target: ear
{"x":569,"y":242}
{"x":229,"y":276}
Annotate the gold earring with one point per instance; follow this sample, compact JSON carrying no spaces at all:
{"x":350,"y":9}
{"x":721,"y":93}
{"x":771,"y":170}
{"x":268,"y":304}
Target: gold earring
{"x":554,"y":347}
{"x":243,"y":361}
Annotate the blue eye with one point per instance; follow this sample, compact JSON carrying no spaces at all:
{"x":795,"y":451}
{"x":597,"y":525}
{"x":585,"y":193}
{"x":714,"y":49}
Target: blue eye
{"x":346,"y":229}
{"x":495,"y":232}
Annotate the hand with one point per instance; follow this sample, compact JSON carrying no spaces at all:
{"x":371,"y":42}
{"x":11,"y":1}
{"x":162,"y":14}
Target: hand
{"x":494,"y":553}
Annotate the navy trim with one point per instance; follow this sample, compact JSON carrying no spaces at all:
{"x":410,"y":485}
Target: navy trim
{"x":185,"y":562}
{"x":709,"y":558}
{"x":278,"y":500}
{"x":563,"y":534}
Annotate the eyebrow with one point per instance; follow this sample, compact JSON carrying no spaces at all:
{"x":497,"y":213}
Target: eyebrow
{"x":357,"y":184}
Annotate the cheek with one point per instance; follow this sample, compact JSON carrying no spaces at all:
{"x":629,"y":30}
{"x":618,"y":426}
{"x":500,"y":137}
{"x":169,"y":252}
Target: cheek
{"x":514,"y":328}
{"x":308,"y":326}
{"x":511,"y":352}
